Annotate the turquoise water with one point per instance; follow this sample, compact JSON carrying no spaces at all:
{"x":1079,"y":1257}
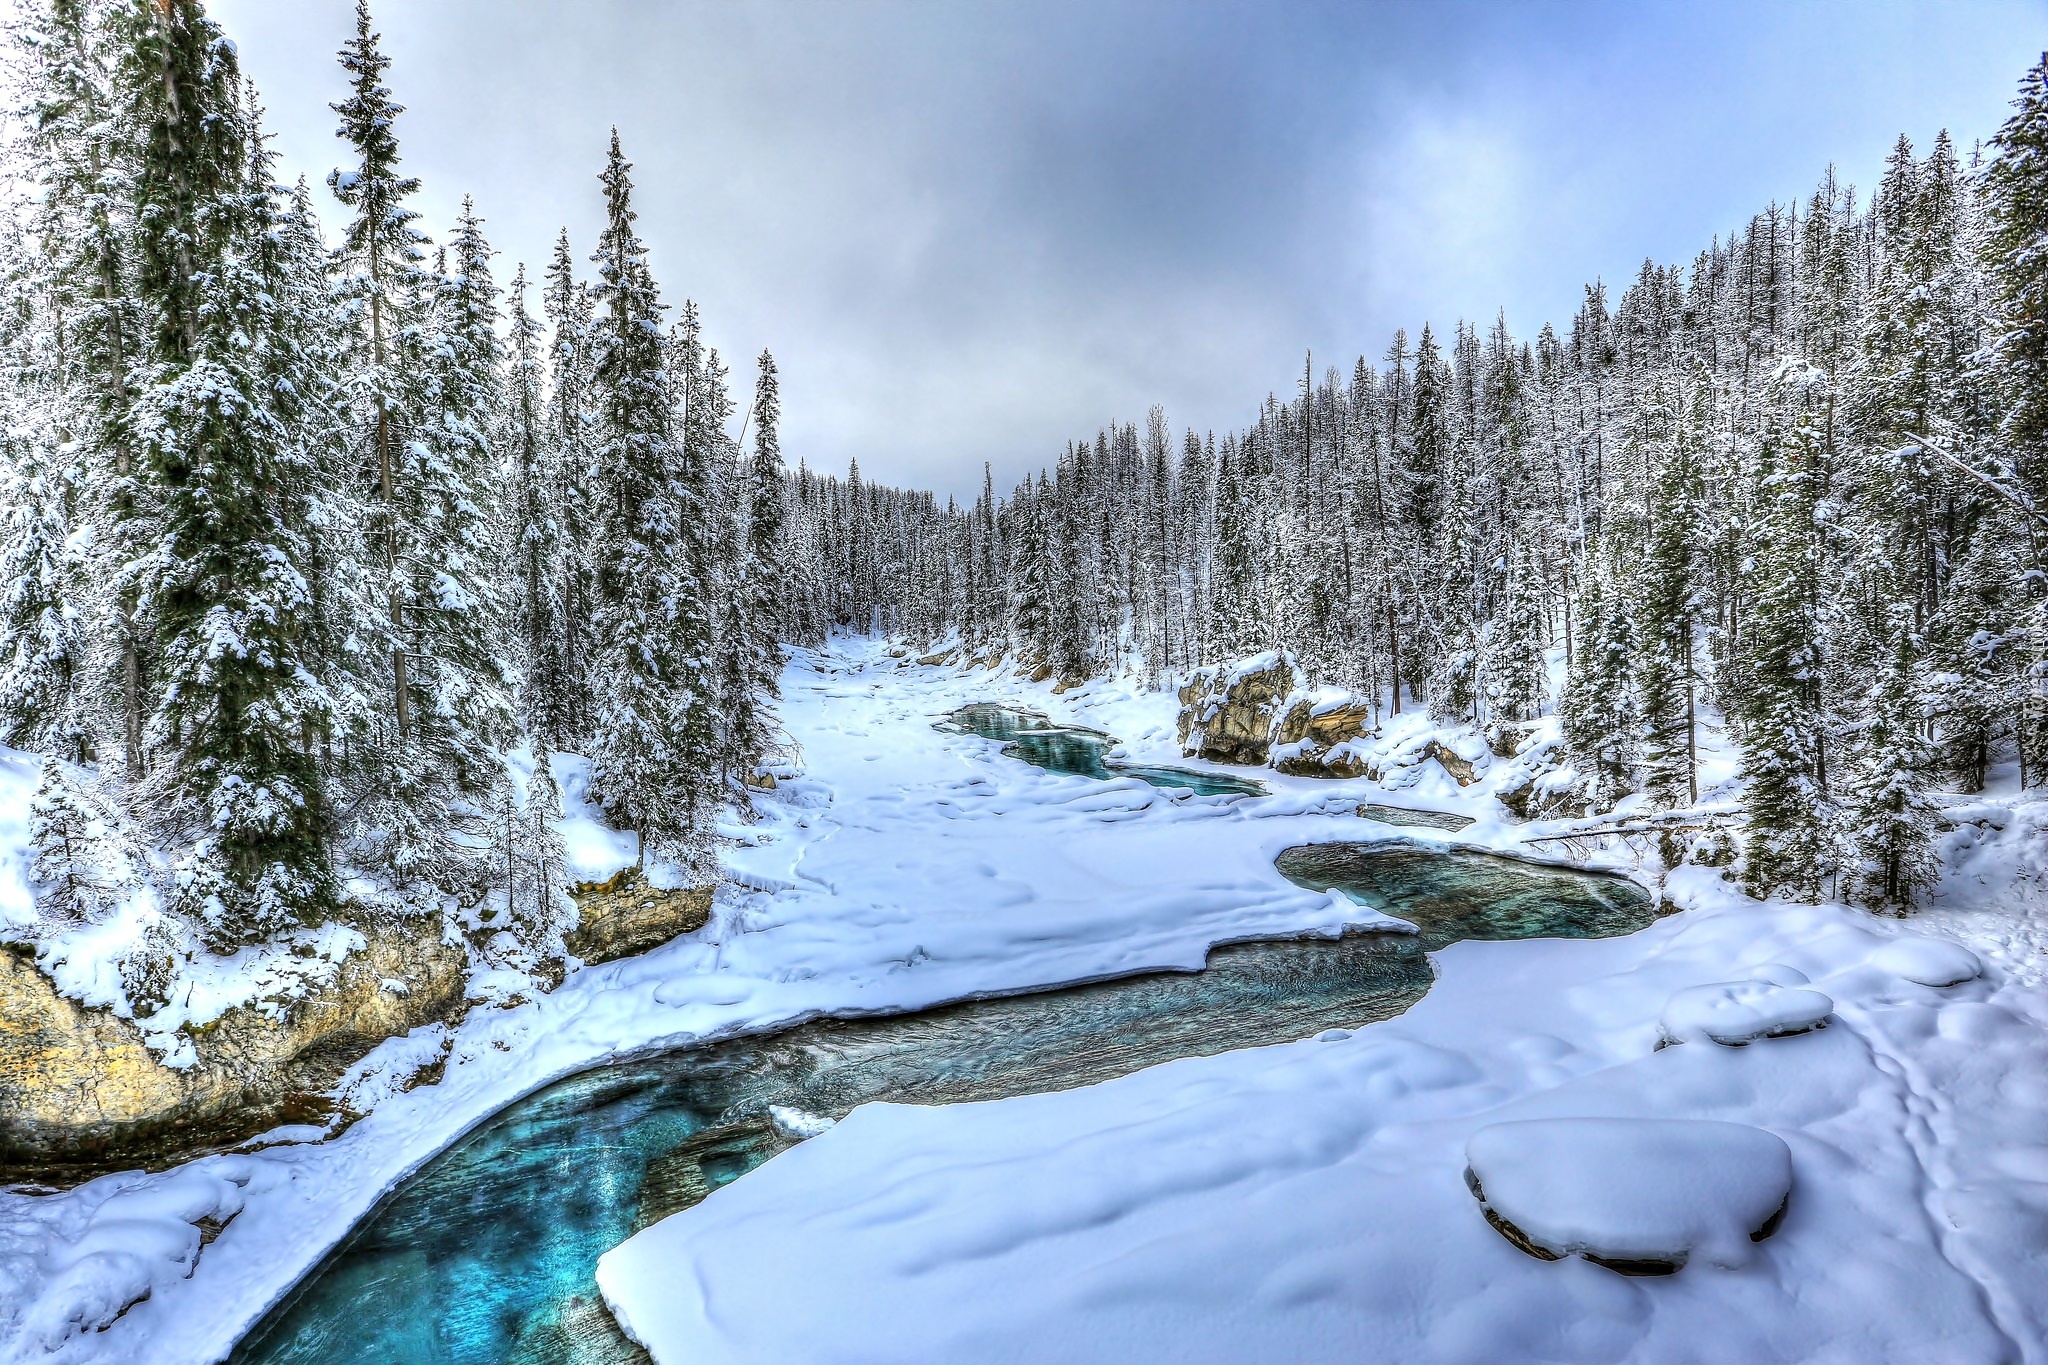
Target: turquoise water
{"x":486,"y":1256}
{"x":1063,"y":749}
{"x":1453,"y":895}
{"x":1413,"y":819}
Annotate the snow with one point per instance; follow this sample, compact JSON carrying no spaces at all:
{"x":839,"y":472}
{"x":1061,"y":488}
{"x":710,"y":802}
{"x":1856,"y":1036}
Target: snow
{"x":1733,"y":1013}
{"x":1303,"y":1202}
{"x":1930,"y":962}
{"x":797,"y":1123}
{"x":1634,"y":1189}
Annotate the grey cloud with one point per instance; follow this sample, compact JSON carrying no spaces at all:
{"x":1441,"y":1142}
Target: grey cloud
{"x":973,"y":231}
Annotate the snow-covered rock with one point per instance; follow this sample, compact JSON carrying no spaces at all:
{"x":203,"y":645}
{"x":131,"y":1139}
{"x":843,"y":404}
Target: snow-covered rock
{"x":1734,"y":1013}
{"x":1228,"y":712}
{"x":797,"y":1124}
{"x":1639,"y":1195}
{"x":1928,"y":961}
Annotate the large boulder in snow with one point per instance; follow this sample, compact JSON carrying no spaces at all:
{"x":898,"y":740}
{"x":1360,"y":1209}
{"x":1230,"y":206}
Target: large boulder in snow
{"x":1641,"y":1196}
{"x":82,"y":1089}
{"x":626,"y":916}
{"x":1228,"y":712}
{"x":1314,"y":737}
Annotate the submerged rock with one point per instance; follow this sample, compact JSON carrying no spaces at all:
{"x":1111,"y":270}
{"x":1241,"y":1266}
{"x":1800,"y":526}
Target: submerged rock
{"x":626,"y":915}
{"x":1228,"y":712}
{"x":81,"y":1088}
{"x":1641,"y":1196}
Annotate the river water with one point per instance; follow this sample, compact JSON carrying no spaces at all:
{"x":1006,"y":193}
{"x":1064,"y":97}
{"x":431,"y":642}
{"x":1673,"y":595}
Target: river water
{"x":487,"y":1254}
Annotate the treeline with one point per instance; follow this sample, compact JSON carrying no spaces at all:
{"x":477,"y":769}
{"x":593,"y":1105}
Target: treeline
{"x":302,"y":540}
{"x":1799,"y":479}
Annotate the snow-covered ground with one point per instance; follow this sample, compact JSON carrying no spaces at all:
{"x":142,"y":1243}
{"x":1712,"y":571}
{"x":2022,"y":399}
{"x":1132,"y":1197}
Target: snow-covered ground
{"x":1304,"y":1202}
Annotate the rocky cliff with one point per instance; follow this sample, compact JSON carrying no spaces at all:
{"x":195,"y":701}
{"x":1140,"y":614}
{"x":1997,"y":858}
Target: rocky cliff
{"x":81,"y":1088}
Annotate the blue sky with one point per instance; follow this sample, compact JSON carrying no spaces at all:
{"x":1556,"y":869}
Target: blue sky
{"x":974,"y":231}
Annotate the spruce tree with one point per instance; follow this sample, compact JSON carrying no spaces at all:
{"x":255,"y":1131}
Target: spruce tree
{"x":534,"y":532}
{"x":1664,"y":610}
{"x":382,"y":251}
{"x":82,"y":135}
{"x":759,"y":590}
{"x":579,"y":511}
{"x":651,"y":769}
{"x":1783,"y":721}
{"x":2016,"y":183}
{"x":1598,"y":709}
{"x":1889,"y":820}
{"x":236,"y":703}
{"x":452,"y":480}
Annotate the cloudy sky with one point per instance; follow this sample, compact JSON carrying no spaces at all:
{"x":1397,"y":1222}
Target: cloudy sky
{"x":973,"y":231}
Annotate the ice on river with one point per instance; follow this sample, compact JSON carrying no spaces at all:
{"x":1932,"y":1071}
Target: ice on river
{"x":1303,"y":1202}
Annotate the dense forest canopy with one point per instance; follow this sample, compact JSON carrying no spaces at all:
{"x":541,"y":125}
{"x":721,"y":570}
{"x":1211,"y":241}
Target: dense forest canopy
{"x":306,"y":535}
{"x":1798,"y":479}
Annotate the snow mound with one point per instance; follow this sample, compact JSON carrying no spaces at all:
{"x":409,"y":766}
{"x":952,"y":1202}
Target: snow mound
{"x":1928,"y":961}
{"x":1642,"y":1196}
{"x":1734,"y":1013}
{"x":138,"y":1233}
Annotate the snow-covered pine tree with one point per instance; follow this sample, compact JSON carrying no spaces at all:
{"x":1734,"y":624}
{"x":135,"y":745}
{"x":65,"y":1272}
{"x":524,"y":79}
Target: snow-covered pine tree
{"x":1234,"y":626}
{"x":1030,"y":570}
{"x":1598,"y":710}
{"x":452,"y":480}
{"x":758,"y":591}
{"x":79,"y":146}
{"x":1888,"y":818}
{"x":236,"y":707}
{"x":2016,"y":186}
{"x":579,"y":515}
{"x":44,"y":640}
{"x":652,"y":771}
{"x":382,"y":256}
{"x":1783,"y":727}
{"x":66,"y":864}
{"x":534,"y":531}
{"x":2016,"y":190}
{"x":1663,"y":623}
{"x":1516,"y":673}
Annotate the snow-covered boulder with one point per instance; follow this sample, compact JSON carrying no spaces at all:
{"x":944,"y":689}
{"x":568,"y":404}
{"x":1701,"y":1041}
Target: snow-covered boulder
{"x":1735,"y":1013}
{"x":1229,"y":711}
{"x":625,"y":916}
{"x":1642,"y":1196}
{"x":1314,"y":736}
{"x":1538,"y":781}
{"x":1928,"y":961}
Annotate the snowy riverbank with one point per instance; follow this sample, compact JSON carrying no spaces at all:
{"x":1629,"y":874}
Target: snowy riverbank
{"x":1297,"y":1202}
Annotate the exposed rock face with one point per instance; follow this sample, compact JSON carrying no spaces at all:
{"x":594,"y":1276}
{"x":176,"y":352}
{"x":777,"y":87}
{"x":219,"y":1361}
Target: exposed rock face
{"x":1228,"y":712}
{"x":1313,"y":739}
{"x":624,"y":916}
{"x":1463,"y":769}
{"x":79,"y":1087}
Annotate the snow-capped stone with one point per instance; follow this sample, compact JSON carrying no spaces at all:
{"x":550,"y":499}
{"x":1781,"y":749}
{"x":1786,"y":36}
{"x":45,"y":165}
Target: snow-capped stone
{"x":1643,"y":1196}
{"x":1928,"y":961}
{"x":797,"y":1124}
{"x":1228,"y":712}
{"x":1733,"y":1013}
